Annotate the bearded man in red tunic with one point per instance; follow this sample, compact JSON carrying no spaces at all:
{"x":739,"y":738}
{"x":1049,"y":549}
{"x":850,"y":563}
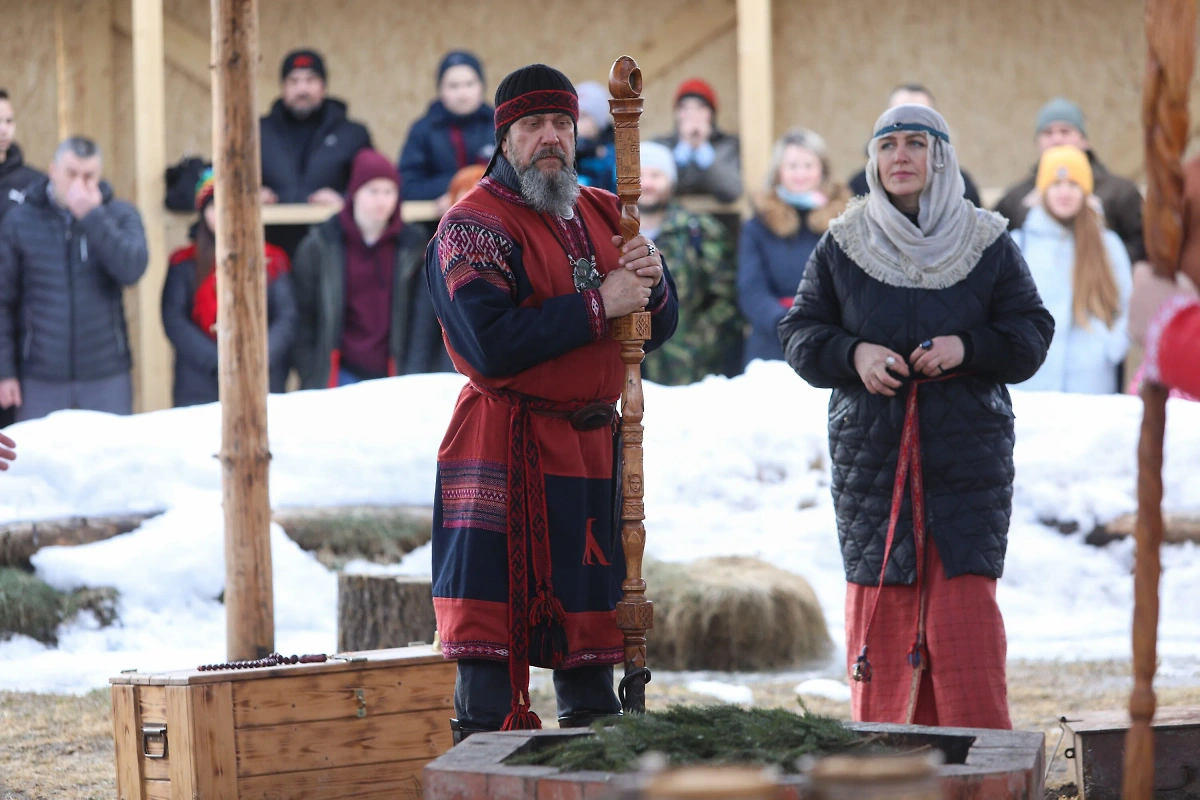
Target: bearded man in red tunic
{"x":526,"y":271}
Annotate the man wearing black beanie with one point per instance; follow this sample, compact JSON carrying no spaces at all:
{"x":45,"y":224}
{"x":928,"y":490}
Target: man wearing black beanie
{"x":308,"y":144}
{"x":526,"y":271}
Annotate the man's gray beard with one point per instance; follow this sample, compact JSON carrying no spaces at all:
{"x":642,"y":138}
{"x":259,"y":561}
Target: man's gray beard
{"x":553,"y":192}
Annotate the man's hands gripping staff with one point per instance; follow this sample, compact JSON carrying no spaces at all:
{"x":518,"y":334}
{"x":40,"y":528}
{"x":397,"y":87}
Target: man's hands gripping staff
{"x":628,"y":289}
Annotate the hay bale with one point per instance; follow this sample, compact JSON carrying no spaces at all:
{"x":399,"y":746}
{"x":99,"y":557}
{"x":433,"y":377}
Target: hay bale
{"x":732,"y":613}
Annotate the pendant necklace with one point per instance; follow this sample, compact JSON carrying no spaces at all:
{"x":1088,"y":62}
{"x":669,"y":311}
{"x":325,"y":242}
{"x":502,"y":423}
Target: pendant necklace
{"x":583,"y":270}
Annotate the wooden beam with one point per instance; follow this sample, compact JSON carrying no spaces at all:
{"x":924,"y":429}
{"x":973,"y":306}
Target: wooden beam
{"x":756,"y":89}
{"x":61,"y":76}
{"x":83,"y":70}
{"x":186,"y":50}
{"x":96,"y":57}
{"x":242,"y":332}
{"x":153,"y":362}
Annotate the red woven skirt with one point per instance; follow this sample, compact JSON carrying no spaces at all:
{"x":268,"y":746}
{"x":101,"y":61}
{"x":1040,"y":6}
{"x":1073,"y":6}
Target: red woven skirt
{"x":962,"y":683}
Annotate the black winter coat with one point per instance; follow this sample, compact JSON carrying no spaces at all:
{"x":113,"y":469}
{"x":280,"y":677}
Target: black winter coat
{"x":319,"y":282}
{"x":967,"y":431}
{"x":15,"y":178}
{"x":325,"y":163}
{"x":429,"y":158}
{"x":61,"y":283}
{"x":196,"y":354}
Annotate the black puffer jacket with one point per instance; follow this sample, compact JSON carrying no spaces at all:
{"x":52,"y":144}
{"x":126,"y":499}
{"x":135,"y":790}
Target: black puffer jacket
{"x":967,"y":432}
{"x":294,"y":174}
{"x":61,"y":283}
{"x":15,"y":178}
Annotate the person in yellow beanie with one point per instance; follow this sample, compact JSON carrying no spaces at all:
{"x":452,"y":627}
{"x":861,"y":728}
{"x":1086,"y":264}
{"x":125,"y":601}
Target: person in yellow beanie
{"x":1082,"y":272}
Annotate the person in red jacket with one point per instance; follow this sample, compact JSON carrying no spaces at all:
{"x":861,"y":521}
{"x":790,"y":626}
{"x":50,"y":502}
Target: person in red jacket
{"x":189,"y":308}
{"x":1164,"y":318}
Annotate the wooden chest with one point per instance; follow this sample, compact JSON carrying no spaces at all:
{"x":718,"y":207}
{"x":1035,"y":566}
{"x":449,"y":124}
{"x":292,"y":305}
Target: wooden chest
{"x":1096,"y":741}
{"x":361,"y":726}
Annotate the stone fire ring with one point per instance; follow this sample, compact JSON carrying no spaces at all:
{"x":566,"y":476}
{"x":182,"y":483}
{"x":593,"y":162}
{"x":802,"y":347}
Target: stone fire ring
{"x":978,"y":764}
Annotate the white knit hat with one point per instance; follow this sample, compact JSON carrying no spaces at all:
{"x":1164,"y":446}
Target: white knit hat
{"x":593,"y":101}
{"x":658,"y":156}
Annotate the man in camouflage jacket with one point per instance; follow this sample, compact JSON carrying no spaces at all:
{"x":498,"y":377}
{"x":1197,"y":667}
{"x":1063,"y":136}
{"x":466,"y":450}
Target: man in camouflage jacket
{"x":709,"y":334}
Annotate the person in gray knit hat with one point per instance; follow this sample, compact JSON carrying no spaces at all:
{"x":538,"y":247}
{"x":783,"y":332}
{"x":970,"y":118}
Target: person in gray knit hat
{"x":1061,"y":122}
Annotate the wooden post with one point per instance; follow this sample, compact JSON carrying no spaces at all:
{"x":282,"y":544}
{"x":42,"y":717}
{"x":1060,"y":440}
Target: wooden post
{"x":152,"y":361}
{"x":242,"y":332}
{"x":756,"y":89}
{"x":635,"y":614}
{"x":1170,"y":33}
{"x":61,"y":77}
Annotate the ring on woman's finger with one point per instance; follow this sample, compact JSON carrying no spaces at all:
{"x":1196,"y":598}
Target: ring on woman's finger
{"x":651,"y":250}
{"x":927,"y":344}
{"x":889,"y":361}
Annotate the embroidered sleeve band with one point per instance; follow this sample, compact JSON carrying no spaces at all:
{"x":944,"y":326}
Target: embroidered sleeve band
{"x":474,"y":245}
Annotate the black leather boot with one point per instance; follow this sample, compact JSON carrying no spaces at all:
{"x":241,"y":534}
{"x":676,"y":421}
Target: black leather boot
{"x":584,"y":719}
{"x":461,"y":730}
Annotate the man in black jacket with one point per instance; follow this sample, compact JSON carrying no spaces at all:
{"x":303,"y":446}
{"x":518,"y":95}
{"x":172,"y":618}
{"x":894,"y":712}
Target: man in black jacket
{"x":15,"y":179}
{"x":66,"y":255}
{"x":308,"y":144}
{"x":15,"y":175}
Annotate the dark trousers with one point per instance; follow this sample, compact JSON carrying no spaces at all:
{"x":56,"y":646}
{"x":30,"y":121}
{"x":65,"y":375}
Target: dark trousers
{"x":40,"y":398}
{"x":483,"y":695}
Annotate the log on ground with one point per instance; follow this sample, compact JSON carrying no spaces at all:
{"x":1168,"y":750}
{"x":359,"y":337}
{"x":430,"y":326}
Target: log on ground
{"x":382,"y":611}
{"x":732,"y":613}
{"x":1177,"y":529}
{"x":382,"y":534}
{"x":20,"y":540}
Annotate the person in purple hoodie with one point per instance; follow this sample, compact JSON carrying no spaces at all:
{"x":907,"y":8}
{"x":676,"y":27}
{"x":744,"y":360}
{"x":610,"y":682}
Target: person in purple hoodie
{"x":363,"y":309}
{"x":456,"y":132}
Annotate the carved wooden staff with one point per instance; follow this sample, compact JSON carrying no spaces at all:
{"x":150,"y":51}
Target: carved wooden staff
{"x":1170,"y":31}
{"x":635,"y":614}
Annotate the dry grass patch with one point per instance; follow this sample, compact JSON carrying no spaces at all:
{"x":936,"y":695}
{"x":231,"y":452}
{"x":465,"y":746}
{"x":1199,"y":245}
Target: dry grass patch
{"x":59,"y":747}
{"x":56,"y":747}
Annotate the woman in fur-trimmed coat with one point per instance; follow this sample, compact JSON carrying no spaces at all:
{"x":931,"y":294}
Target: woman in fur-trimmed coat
{"x":792,"y":213}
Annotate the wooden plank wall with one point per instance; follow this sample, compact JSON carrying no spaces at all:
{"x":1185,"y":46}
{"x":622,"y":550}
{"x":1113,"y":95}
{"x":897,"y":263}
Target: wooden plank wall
{"x":834,"y":63}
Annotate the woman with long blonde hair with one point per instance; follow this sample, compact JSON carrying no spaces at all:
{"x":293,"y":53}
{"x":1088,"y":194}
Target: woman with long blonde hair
{"x":798,"y":201}
{"x":1083,"y":274}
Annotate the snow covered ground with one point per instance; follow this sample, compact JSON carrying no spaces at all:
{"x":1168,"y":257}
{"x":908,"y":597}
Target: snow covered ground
{"x":732,"y":467}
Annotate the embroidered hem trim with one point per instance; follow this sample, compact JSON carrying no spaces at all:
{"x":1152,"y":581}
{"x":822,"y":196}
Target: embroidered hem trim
{"x":497,"y":651}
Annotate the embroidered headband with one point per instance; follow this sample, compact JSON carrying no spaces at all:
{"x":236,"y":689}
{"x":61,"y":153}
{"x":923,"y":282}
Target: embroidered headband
{"x":912,"y":126}
{"x":545,"y":101}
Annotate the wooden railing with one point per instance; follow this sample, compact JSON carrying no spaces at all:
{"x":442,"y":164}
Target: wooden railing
{"x":426,"y":210}
{"x":311,"y":214}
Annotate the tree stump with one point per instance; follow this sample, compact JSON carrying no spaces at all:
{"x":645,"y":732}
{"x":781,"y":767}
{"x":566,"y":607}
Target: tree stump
{"x":381,"y":611}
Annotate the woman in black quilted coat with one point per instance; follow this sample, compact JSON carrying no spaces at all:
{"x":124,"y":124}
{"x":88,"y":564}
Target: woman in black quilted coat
{"x":916,"y":309}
